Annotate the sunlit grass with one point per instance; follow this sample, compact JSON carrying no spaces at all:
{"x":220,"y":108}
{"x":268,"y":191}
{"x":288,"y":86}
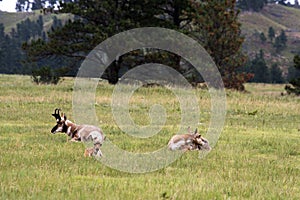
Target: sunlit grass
{"x":256,"y":157}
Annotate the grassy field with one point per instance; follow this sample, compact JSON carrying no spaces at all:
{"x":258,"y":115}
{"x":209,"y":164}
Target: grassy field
{"x":256,"y":157}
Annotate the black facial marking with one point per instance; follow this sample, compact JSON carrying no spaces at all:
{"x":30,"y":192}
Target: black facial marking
{"x":65,"y":128}
{"x":54,"y":129}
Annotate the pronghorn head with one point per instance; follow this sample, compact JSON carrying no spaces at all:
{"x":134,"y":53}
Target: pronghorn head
{"x":97,"y":139}
{"x":94,"y":151}
{"x":201,"y":142}
{"x":97,"y":151}
{"x":60,"y":122}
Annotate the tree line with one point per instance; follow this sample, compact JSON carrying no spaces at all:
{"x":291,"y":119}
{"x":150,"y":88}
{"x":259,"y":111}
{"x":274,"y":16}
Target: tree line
{"x":249,"y":5}
{"x":11,"y":53}
{"x":212,"y":23}
{"x":12,"y":56}
{"x":258,"y":5}
{"x":98,"y":20}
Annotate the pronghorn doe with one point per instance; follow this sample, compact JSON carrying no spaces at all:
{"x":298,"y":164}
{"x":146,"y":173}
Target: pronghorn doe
{"x":188,"y":142}
{"x":85,"y":133}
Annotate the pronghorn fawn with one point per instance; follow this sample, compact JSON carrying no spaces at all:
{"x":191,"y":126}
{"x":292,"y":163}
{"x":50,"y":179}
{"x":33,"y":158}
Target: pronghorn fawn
{"x":85,"y":133}
{"x":188,"y":142}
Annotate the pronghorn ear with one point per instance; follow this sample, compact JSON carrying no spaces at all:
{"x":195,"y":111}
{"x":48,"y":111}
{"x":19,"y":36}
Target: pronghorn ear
{"x":189,"y":130}
{"x":64,"y":116}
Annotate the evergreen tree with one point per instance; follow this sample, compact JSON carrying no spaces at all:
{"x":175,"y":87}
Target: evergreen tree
{"x":26,"y":5}
{"x":296,"y":5}
{"x":276,"y":74}
{"x":37,"y":5}
{"x":271,"y":33}
{"x":57,"y":23}
{"x":294,"y":88}
{"x":282,"y":2}
{"x":2,"y":45}
{"x":40,"y":26}
{"x":218,"y":30}
{"x":251,"y":5}
{"x":214,"y":22}
{"x":262,"y":37}
{"x":259,"y":68}
{"x":280,"y":41}
{"x":95,"y":21}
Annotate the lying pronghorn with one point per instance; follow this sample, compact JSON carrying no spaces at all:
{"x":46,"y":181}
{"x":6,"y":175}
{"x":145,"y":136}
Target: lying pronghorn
{"x":85,"y":133}
{"x":190,"y":141}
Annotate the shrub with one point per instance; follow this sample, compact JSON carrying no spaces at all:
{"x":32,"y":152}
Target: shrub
{"x":47,"y":75}
{"x":294,"y":88}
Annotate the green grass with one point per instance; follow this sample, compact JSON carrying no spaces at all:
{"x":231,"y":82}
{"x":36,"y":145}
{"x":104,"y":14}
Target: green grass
{"x":256,"y":157}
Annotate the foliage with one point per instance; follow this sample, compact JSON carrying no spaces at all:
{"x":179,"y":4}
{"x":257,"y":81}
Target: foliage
{"x":251,"y":5}
{"x":261,"y":71}
{"x":280,"y":41}
{"x":26,"y":5}
{"x":259,"y":68}
{"x":271,"y":33}
{"x":294,"y":88}
{"x":218,"y":30}
{"x":97,"y":20}
{"x":262,"y":37}
{"x":276,"y":74}
{"x":11,"y":54}
{"x":47,"y":75}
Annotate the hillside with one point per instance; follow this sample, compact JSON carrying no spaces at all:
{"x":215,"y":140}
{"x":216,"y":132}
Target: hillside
{"x":280,"y":18}
{"x":253,"y":24}
{"x":10,"y":20}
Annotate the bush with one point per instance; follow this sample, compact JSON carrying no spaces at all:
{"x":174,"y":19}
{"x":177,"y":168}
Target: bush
{"x":294,"y":88}
{"x":47,"y":75}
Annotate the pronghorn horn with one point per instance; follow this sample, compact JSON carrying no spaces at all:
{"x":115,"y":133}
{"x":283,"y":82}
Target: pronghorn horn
{"x":56,"y":114}
{"x":196,"y":131}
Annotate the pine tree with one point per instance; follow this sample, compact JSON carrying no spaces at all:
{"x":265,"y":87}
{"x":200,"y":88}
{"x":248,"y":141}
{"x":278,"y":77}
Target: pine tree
{"x":271,"y":33}
{"x":251,"y":5}
{"x":280,"y":42}
{"x":276,"y":74}
{"x":294,"y":88}
{"x":282,"y":2}
{"x":218,"y":30}
{"x":260,"y":69}
{"x":296,"y":5}
{"x":262,"y":37}
{"x":214,"y":22}
{"x":94,"y":22}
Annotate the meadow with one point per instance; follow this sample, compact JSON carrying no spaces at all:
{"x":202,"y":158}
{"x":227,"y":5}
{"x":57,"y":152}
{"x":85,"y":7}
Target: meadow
{"x":256,"y":157}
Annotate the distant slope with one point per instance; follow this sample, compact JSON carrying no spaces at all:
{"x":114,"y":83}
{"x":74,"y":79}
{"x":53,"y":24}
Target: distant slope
{"x":10,"y":20}
{"x":280,"y":18}
{"x":277,"y":16}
